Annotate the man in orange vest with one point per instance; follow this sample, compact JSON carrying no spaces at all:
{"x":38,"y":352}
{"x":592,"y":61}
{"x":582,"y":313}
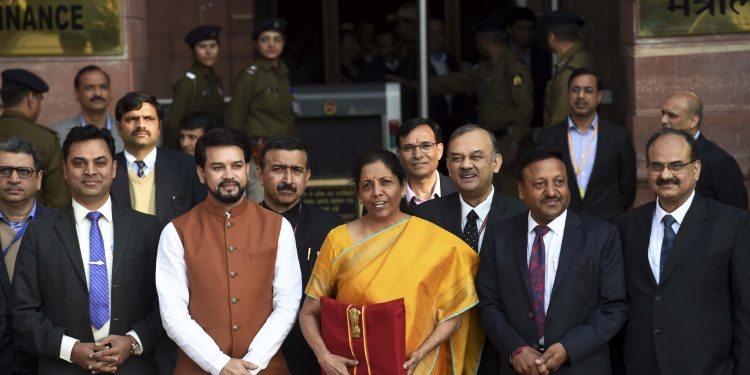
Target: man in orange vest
{"x":228,"y":276}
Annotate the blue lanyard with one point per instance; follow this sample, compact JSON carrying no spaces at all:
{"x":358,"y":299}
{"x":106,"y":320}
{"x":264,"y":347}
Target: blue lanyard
{"x":109,"y":123}
{"x":17,"y":237}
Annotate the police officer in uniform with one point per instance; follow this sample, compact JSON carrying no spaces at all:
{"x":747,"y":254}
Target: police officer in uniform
{"x":22,"y":93}
{"x":200,"y":89}
{"x":504,"y":88}
{"x":564,"y":39}
{"x":262,"y":101}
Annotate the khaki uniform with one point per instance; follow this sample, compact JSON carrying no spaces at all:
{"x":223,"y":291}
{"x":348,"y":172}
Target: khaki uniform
{"x":505,"y":93}
{"x":54,"y":191}
{"x":262,"y":102}
{"x":556,"y":106}
{"x":199,"y":90}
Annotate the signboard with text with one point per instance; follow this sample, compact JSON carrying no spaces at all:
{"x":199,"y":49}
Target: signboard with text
{"x":333,"y":195}
{"x":60,"y":28}
{"x":658,"y":18}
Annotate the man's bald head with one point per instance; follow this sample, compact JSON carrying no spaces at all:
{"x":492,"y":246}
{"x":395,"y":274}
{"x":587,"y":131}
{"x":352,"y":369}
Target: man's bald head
{"x":683,"y":110}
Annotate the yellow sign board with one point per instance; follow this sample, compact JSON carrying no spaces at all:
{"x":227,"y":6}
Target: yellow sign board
{"x":60,"y":28}
{"x":658,"y":18}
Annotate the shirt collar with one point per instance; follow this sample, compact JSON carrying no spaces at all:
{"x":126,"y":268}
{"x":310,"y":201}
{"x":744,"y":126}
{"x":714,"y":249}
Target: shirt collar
{"x":150,"y":160}
{"x":482,"y":209}
{"x":436,"y":193}
{"x":696,"y":135}
{"x":30,"y":216}
{"x":594,"y":124}
{"x":678,"y":214}
{"x":556,"y":226}
{"x":80,"y":212}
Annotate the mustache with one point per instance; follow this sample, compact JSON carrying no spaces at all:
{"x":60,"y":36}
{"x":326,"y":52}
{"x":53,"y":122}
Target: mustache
{"x":284,"y":186}
{"x":464,"y":172}
{"x":667,"y":181}
{"x":98,"y":99}
{"x":139,"y":130}
{"x":224,"y":183}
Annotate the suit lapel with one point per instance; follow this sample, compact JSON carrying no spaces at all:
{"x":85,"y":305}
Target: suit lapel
{"x":453,"y":216}
{"x":120,"y":190}
{"x":66,"y":229}
{"x":497,"y":208}
{"x":121,"y":228}
{"x":643,"y":237}
{"x":520,"y":246}
{"x":689,"y":237}
{"x":565,"y":148}
{"x":162,"y":183}
{"x":571,"y":244}
{"x":602,"y":149}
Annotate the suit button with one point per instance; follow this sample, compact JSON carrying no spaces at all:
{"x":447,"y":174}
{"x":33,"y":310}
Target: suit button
{"x":229,"y":224}
{"x":657,"y":332}
{"x":235,"y":300}
{"x":530,"y":315}
{"x":657,"y":298}
{"x":231,"y":248}
{"x":235,"y":328}
{"x":233,"y":274}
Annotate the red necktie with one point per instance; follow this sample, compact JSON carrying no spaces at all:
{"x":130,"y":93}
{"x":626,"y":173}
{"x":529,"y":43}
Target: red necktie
{"x":536,"y":277}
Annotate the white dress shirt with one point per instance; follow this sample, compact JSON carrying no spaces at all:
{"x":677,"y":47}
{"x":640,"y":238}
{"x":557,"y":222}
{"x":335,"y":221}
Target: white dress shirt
{"x":436,"y":192}
{"x":174,"y":297}
{"x":482,"y":210}
{"x":83,"y":232}
{"x":552,"y":245}
{"x":150,"y":161}
{"x":657,"y":232}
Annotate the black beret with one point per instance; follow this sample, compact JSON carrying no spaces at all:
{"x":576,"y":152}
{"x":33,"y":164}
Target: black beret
{"x":25,"y":79}
{"x":271,"y":24}
{"x":488,"y":24}
{"x":561,"y":17}
{"x":201,"y":33}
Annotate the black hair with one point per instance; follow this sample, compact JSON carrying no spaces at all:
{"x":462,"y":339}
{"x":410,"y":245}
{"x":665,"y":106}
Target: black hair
{"x":134,"y":101}
{"x":389,"y":159}
{"x":516,"y":14}
{"x":84,"y":70}
{"x":566,"y":32}
{"x":463,"y":129}
{"x":694,"y":155}
{"x":410,"y":125}
{"x":86,"y":133}
{"x":281,"y":142}
{"x":18,"y":145}
{"x":586,"y":72}
{"x":200,"y":120}
{"x":221,"y":137}
{"x":12,"y":95}
{"x":534,"y":155}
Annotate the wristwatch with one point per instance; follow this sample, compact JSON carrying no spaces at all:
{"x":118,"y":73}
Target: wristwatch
{"x":135,"y":347}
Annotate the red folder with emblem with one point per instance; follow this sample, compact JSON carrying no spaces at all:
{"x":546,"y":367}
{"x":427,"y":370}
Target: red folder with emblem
{"x":374,"y":335}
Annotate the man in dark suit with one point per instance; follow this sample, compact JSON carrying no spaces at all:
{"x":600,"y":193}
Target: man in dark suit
{"x":473,"y":159}
{"x":686,"y":266}
{"x":551,"y":282}
{"x":721,"y":178}
{"x":599,"y":155}
{"x":419,"y":146}
{"x":20,"y":179}
{"x":83,"y":293}
{"x":284,"y":172}
{"x":155,"y":181}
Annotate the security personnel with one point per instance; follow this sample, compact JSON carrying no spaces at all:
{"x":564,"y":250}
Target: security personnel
{"x":262,"y":100}
{"x":504,"y":89}
{"x":22,"y":93}
{"x":200,"y":89}
{"x":564,"y":39}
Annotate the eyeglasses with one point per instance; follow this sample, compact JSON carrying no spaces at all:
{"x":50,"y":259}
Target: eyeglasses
{"x":676,"y":166}
{"x":411,"y":148}
{"x":23,"y":172}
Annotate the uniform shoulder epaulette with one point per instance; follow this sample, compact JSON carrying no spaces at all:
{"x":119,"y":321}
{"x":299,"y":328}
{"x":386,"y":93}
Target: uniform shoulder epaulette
{"x":190,"y":75}
{"x":251,"y":70}
{"x":51,"y":131}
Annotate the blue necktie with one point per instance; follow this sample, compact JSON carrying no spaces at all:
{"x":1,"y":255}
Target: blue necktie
{"x":141,"y":168}
{"x":666,"y":244}
{"x":98,"y":284}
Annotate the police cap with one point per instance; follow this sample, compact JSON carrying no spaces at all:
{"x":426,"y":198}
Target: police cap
{"x":201,"y":33}
{"x":560,"y":17}
{"x":271,"y":24}
{"x":23,"y":78}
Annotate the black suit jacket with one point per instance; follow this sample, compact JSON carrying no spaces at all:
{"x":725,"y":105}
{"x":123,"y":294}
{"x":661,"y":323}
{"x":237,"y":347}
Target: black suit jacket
{"x":445,"y":212}
{"x":446,"y":188}
{"x":697,"y":319}
{"x":588,"y":304}
{"x":541,"y":72}
{"x":312,"y":228}
{"x":177,"y":186}
{"x":611,"y":188}
{"x":50,"y":297}
{"x":721,"y":178}
{"x":9,"y":347}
